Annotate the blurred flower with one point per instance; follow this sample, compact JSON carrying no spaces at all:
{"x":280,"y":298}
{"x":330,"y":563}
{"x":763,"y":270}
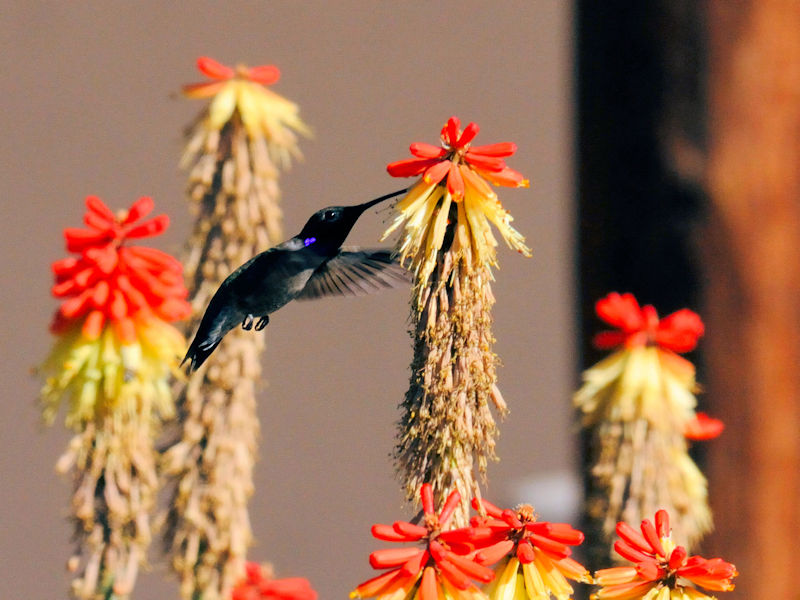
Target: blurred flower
{"x":662,"y":570}
{"x":440,"y":568}
{"x":702,"y":427}
{"x":534,"y":556}
{"x":241,"y":91}
{"x":447,"y":424}
{"x":639,"y":402}
{"x":112,"y":359}
{"x":258,"y":584}
{"x":453,"y":196}
{"x":234,"y":153}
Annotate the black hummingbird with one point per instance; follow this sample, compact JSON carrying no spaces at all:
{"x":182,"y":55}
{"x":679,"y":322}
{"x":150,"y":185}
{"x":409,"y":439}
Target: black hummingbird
{"x":309,"y":265}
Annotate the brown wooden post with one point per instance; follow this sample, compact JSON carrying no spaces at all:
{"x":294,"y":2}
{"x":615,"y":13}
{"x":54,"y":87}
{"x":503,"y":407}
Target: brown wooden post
{"x":752,"y":264}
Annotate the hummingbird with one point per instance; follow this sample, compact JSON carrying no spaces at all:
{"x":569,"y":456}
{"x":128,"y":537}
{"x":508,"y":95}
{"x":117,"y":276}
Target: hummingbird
{"x":312,"y":264}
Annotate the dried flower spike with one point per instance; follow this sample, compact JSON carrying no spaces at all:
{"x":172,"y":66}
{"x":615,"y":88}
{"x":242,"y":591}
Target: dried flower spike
{"x":234,"y":153}
{"x":114,"y":353}
{"x":447,"y":242}
{"x":441,"y":567}
{"x":662,"y":570}
{"x":639,"y":403}
{"x":533,"y":557}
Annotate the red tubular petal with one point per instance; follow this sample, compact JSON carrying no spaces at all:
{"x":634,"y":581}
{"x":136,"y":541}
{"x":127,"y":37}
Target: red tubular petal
{"x":381,"y":584}
{"x":409,"y":530}
{"x":466,"y":535}
{"x":201,"y":90}
{"x":551,"y":547}
{"x":470,"y":568}
{"x":63,"y":288}
{"x":703,"y":428}
{"x":428,"y":151}
{"x":507,"y":177}
{"x":490,"y":508}
{"x":80,"y":239}
{"x":561,"y":532}
{"x":500,"y":149}
{"x":449,"y":507}
{"x":437,"y":551}
{"x":93,"y":325}
{"x":426,"y":497}
{"x":429,"y":587}
{"x":100,"y":294}
{"x":436,"y":172}
{"x":481,"y":161}
{"x":95,"y":221}
{"x":65,"y":266}
{"x":682,"y":329}
{"x":633,"y":537}
{"x":410,"y":167}
{"x":510,"y":517}
{"x":137,"y":299}
{"x":125,"y":330}
{"x":77,"y":306}
{"x":211,"y":68}
{"x":630,"y":553}
{"x":469,"y":133}
{"x":453,"y":574}
{"x":455,"y":182}
{"x":490,"y":555}
{"x":649,"y":570}
{"x":173,"y":309}
{"x":104,"y":257}
{"x":141,"y":208}
{"x":264,"y":74}
{"x":525,"y":553}
{"x":392,"y":557}
{"x":154,"y":226}
{"x":414,"y":565}
{"x":450,"y":131}
{"x":649,"y":532}
{"x":606,"y":340}
{"x":388,"y":534}
{"x":99,"y":208}
{"x":117,"y":308}
{"x":158,"y":260}
{"x":620,"y":310}
{"x":677,"y":558}
{"x":662,"y":523}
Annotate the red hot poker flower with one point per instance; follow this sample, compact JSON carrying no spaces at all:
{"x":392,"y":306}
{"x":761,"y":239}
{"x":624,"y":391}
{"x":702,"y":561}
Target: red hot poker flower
{"x":442,"y":561}
{"x":637,"y":326}
{"x":259,"y":585}
{"x":220,"y":74}
{"x":456,"y":160}
{"x":112,"y":282}
{"x":659,"y":563}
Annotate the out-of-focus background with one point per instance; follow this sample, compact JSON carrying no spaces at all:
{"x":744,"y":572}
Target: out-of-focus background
{"x":661,"y":143}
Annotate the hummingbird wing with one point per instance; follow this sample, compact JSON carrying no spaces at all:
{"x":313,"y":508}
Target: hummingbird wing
{"x":354,"y":272}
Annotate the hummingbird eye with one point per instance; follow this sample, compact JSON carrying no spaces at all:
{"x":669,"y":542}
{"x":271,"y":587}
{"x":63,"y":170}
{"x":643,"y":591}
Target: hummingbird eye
{"x":329,"y":215}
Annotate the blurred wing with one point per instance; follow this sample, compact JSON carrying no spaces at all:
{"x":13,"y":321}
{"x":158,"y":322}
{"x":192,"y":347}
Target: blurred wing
{"x":355,"y":272}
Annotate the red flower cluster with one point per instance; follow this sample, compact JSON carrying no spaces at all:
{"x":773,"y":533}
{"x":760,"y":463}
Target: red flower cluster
{"x":502,"y":532}
{"x":263,"y":74}
{"x":658,"y":563}
{"x":450,"y":559}
{"x":258,"y":585}
{"x":457,"y":161}
{"x":443,"y":560}
{"x":637,"y":326}
{"x":112,"y":282}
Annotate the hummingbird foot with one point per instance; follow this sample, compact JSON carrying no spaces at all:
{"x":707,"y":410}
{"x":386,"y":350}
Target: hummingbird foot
{"x":262,"y":322}
{"x":247,"y":324}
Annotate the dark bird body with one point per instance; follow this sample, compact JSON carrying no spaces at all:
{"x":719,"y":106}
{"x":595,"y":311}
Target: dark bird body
{"x":310,"y":265}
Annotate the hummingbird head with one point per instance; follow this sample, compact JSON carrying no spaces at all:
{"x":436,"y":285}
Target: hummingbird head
{"x":330,"y":226}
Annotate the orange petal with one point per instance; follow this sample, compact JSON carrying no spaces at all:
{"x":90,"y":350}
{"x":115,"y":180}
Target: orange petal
{"x":93,"y":326}
{"x":211,"y":68}
{"x":422,"y":150}
{"x":264,"y":74}
{"x":435,"y":173}
{"x":500,"y":149}
{"x":469,"y":133}
{"x":455,"y":182}
{"x":196,"y":91}
{"x":429,"y":588}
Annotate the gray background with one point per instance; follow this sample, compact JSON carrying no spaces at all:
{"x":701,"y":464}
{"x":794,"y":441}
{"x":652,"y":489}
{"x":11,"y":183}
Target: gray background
{"x":90,"y":108}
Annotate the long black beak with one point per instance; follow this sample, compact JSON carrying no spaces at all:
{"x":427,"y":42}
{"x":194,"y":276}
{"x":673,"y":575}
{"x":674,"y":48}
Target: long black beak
{"x":366,"y":205}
